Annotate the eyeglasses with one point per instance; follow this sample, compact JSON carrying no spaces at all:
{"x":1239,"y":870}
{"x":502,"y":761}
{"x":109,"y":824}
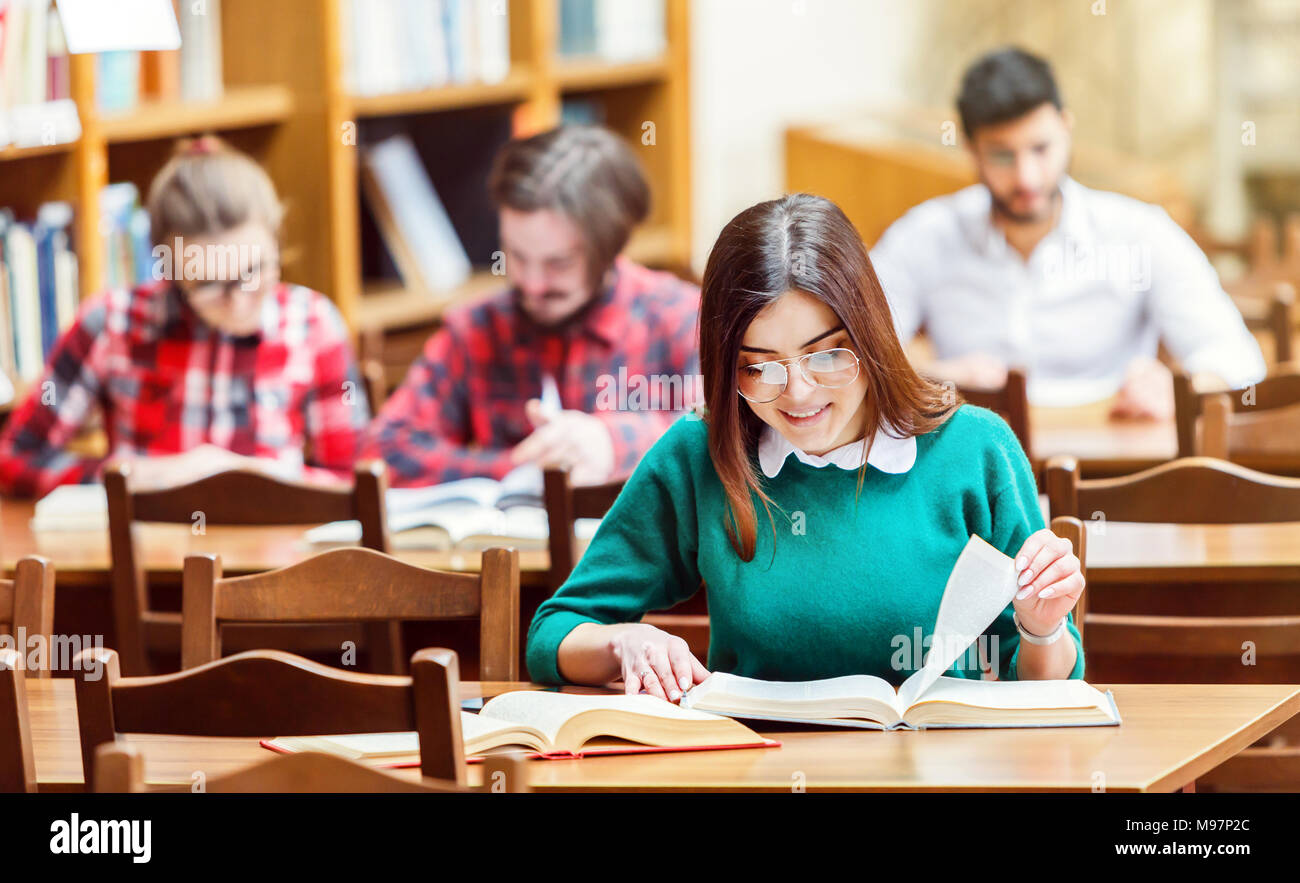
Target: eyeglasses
{"x":765,"y":381}
{"x":223,"y":291}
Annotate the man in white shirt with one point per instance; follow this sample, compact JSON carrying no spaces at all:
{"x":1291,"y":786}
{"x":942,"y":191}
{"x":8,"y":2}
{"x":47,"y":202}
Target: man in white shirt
{"x":1031,"y":268}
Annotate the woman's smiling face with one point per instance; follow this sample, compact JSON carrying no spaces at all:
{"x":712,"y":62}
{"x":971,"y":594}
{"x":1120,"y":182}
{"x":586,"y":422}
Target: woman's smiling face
{"x":815,"y":419}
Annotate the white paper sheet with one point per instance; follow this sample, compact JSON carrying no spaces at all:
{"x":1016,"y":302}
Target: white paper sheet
{"x":980,"y":586}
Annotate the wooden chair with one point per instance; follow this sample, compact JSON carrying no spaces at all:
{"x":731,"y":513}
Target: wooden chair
{"x":119,"y":769}
{"x":232,"y":498}
{"x":1260,"y":412}
{"x":1070,"y":528}
{"x":27,"y":609}
{"x":1011,"y":401}
{"x":375,"y":379}
{"x":351,"y":585}
{"x":17,"y":759}
{"x":1268,"y":305}
{"x":1195,"y":630}
{"x":269,"y":693}
{"x":565,"y":504}
{"x":1269,"y":433}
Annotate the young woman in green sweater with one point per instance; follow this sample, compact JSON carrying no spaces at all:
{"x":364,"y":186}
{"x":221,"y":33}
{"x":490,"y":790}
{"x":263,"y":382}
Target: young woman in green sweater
{"x":872,"y":480}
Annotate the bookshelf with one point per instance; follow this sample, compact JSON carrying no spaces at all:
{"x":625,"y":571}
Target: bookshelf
{"x":287,"y":104}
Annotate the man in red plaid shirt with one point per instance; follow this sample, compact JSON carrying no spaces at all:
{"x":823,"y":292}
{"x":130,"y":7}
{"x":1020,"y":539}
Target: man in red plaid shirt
{"x":227,"y":367}
{"x":593,"y":326}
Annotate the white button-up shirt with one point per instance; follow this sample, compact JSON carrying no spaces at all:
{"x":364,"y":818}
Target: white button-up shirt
{"x":888,"y":454}
{"x":1105,"y":286}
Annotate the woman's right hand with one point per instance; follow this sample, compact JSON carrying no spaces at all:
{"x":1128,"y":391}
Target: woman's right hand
{"x":653,"y":660}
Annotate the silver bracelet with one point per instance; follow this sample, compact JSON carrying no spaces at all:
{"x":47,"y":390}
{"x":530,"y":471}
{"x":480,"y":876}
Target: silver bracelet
{"x":1040,"y":640}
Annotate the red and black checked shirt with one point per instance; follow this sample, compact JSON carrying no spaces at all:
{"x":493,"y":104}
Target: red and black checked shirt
{"x":461,"y":407}
{"x":166,"y":382}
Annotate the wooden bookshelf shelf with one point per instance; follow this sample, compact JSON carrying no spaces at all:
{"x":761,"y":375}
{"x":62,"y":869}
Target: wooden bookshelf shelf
{"x":241,"y":107}
{"x":386,"y":305}
{"x":11,"y":152}
{"x":516,"y":87}
{"x":585,"y":75}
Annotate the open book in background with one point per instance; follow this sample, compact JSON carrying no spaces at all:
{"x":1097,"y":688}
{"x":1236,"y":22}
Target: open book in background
{"x":980,"y":586}
{"x":471,"y":514}
{"x":552,"y":725}
{"x":72,"y":507}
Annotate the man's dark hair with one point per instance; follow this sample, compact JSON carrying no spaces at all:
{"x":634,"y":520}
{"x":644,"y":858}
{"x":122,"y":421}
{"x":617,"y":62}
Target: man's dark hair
{"x":586,"y":173}
{"x":1004,"y":85}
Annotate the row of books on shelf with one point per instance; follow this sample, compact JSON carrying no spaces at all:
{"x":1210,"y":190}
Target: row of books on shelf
{"x":39,"y":285}
{"x":614,"y":30}
{"x":192,"y":73}
{"x":35,"y":104}
{"x":407,"y":45}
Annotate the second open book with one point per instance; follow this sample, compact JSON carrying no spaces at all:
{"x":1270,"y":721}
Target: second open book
{"x":979,"y":588}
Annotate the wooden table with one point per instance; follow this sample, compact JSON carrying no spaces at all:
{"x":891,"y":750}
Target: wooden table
{"x":1104,"y":447}
{"x":82,"y":557}
{"x":1171,"y":735}
{"x":82,"y":563}
{"x":1115,"y":549}
{"x":1166,"y":553}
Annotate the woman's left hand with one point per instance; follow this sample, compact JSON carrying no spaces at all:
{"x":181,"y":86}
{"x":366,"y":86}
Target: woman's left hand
{"x":1050,"y":581}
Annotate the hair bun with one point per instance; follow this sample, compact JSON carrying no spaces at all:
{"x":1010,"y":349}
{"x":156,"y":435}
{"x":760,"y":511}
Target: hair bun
{"x":203,"y":145}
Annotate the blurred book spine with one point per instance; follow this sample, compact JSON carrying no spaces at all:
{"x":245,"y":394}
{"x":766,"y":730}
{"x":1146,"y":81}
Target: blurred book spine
{"x":35,"y":105}
{"x":124,"y":225}
{"x":408,"y":45}
{"x":192,"y":73}
{"x":38,"y":287}
{"x":613,"y":30}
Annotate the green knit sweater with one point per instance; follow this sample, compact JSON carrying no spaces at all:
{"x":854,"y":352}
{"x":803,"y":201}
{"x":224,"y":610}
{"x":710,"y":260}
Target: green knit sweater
{"x":847,"y":585}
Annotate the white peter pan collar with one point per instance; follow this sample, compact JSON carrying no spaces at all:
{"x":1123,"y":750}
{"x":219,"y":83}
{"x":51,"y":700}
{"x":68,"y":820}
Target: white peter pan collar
{"x":888,"y":454}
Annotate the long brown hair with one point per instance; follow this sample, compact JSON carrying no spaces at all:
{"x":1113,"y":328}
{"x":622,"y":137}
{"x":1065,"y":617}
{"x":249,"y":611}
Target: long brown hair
{"x":805,"y":243}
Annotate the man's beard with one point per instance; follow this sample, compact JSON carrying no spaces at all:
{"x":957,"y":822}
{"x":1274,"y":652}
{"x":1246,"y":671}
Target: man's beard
{"x":1002,"y":209}
{"x":550,"y":324}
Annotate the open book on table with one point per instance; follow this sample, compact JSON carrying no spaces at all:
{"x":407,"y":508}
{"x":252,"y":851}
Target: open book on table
{"x":979,"y":588}
{"x":469,"y":514}
{"x":552,"y":725}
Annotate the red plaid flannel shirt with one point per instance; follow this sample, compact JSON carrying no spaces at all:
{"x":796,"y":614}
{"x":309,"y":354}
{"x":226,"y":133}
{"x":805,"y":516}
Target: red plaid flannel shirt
{"x":166,"y":382}
{"x":461,"y":407}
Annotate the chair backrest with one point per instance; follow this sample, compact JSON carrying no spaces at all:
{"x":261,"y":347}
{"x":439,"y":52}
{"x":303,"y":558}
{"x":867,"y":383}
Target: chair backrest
{"x":1195,"y":490}
{"x":1011,"y":401}
{"x":234,"y":497}
{"x":565,"y":504}
{"x":1280,"y":389}
{"x":269,"y":693}
{"x":1225,"y":433}
{"x":1189,"y":490}
{"x":17,"y":760}
{"x":355,"y":585}
{"x":27,"y":610}
{"x":1268,"y":304}
{"x":1070,"y":528}
{"x":120,"y":769}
